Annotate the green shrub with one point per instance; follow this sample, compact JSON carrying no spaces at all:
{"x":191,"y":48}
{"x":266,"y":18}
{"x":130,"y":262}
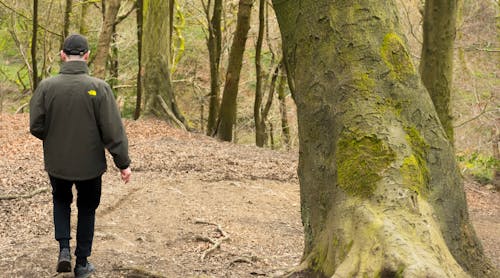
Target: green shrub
{"x":479,"y":166}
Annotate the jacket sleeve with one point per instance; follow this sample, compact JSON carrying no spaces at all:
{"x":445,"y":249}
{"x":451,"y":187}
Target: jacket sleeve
{"x":112,"y":131}
{"x":37,"y":113}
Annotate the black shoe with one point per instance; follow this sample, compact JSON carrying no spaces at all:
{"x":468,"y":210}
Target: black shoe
{"x":84,"y":271}
{"x":64,"y":261}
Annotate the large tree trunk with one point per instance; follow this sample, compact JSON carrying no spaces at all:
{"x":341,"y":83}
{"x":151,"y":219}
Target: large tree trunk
{"x":381,"y":194}
{"x":436,"y":64}
{"x":227,"y":115}
{"x":101,"y":57}
{"x":157,"y":86}
{"x":214,"y":51}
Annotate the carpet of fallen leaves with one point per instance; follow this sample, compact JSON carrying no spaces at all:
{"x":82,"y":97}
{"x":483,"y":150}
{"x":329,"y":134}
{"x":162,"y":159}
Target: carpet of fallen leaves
{"x":187,"y":190}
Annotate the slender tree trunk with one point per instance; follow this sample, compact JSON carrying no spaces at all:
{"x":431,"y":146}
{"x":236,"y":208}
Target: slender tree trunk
{"x":84,"y":29}
{"x":34,"y":65}
{"x":67,"y":19}
{"x":285,"y":127}
{"x":214,"y":52}
{"x":171,"y":15}
{"x":113,"y":59}
{"x":436,"y":64}
{"x":381,"y":193}
{"x":157,"y":87}
{"x":139,"y":18}
{"x":260,"y":125}
{"x":105,"y":37}
{"x":227,"y":116}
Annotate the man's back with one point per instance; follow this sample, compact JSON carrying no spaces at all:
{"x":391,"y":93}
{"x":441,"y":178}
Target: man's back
{"x":76,"y":116}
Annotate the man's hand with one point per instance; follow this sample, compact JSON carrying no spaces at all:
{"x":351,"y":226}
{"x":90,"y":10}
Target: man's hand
{"x":126,"y":173}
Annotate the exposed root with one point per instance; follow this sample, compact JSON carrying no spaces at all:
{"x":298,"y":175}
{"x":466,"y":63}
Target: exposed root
{"x":137,"y":272}
{"x":216,"y":242}
{"x":241,"y":260}
{"x":25,"y":196}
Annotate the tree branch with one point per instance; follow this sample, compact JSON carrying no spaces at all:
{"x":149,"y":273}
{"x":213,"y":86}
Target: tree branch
{"x":29,"y":19}
{"x":216,"y":243}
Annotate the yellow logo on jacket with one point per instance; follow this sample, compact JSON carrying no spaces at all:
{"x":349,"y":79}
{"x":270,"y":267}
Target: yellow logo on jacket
{"x":92,"y":93}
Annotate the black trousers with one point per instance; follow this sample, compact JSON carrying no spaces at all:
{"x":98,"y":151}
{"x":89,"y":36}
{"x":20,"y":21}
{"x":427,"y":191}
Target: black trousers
{"x":88,"y":198}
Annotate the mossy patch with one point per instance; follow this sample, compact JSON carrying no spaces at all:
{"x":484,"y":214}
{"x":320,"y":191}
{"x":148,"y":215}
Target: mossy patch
{"x":414,"y":170}
{"x":396,"y":57}
{"x":360,"y":162}
{"x":363,"y":82}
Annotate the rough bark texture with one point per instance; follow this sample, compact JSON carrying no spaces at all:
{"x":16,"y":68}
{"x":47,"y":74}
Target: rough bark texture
{"x":227,"y":116}
{"x":436,"y":64}
{"x":381,"y":194}
{"x":157,"y":86}
{"x":104,"y":42}
{"x":214,"y":52}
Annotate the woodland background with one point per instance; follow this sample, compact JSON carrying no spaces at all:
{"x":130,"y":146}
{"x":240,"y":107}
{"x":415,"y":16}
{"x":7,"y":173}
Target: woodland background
{"x":186,"y":177}
{"x":476,"y":84}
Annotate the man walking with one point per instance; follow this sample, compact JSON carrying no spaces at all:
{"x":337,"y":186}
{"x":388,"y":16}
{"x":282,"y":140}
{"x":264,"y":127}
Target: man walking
{"x":77,"y":118}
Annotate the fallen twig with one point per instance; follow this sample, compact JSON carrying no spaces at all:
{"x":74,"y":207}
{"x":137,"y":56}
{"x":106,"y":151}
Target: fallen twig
{"x":24,"y":196}
{"x":216,"y":243}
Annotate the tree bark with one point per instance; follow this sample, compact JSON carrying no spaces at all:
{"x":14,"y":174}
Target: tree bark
{"x":381,"y":193}
{"x":227,"y":116}
{"x":157,"y":87}
{"x":34,"y":33}
{"x":214,"y":44}
{"x":436,"y":64}
{"x":104,"y":42}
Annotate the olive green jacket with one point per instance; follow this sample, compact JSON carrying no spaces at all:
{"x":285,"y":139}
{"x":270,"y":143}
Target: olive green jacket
{"x":77,"y":118}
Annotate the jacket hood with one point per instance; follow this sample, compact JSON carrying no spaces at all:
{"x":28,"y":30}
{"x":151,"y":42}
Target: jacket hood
{"x":74,"y":67}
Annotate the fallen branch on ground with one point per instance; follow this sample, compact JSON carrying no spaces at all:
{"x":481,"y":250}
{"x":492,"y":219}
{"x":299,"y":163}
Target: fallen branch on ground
{"x":216,"y":243}
{"x":24,"y":196}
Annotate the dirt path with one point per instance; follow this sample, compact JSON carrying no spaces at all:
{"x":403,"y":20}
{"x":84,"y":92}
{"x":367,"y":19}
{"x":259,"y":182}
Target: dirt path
{"x":150,"y":225}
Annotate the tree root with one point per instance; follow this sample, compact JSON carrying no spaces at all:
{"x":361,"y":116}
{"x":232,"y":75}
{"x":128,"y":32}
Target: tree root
{"x":24,"y":196}
{"x":216,"y":242}
{"x":137,"y":272}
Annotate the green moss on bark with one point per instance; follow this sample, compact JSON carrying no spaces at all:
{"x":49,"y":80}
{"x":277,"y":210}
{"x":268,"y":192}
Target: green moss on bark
{"x":396,"y":57}
{"x":360,"y":162}
{"x":414,"y":170}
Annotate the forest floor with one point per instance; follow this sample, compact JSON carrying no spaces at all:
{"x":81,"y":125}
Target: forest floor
{"x":186,"y":189}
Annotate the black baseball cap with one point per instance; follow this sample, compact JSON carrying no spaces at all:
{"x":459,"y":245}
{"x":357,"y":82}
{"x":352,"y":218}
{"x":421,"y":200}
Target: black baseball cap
{"x":75,"y":45}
